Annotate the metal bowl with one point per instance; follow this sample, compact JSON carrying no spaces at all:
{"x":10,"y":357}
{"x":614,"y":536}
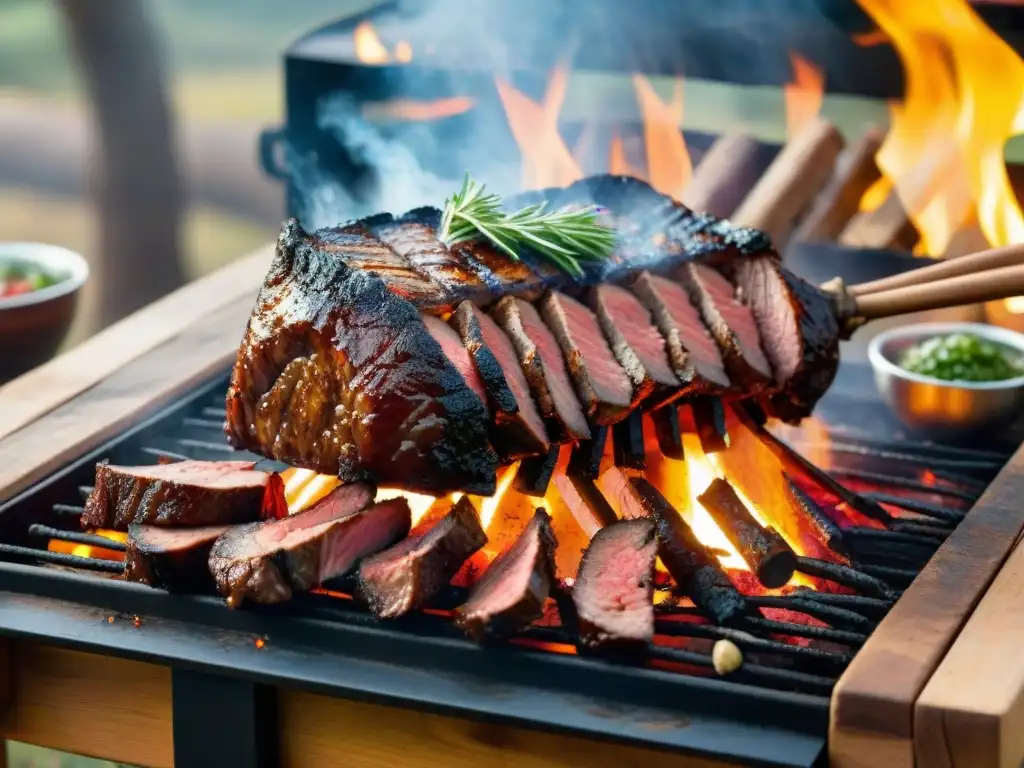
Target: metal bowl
{"x":33,"y":325}
{"x":945,"y":408}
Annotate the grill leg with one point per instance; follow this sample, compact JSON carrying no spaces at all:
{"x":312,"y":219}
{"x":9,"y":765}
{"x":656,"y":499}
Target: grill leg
{"x":221,"y":721}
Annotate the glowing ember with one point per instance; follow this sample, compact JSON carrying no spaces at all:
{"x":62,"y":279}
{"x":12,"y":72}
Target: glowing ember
{"x":369,"y":48}
{"x":804,"y":95}
{"x":85,"y":550}
{"x":700,"y":474}
{"x":489,"y":505}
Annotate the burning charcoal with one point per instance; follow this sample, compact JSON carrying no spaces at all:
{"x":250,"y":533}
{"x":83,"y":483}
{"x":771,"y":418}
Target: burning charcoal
{"x":767,"y":553}
{"x":604,"y":389}
{"x":534,"y":473}
{"x":825,"y":528}
{"x":406,"y":576}
{"x":175,"y":559}
{"x":635,"y":342}
{"x":709,"y":420}
{"x":628,"y":442}
{"x":185,"y":493}
{"x":667,"y":431}
{"x":510,"y":594}
{"x":692,"y":352}
{"x":267,"y":562}
{"x":615,"y":585}
{"x":697,"y":572}
{"x":731,"y":324}
{"x":585,"y":459}
{"x":542,"y":363}
{"x":518,"y":429}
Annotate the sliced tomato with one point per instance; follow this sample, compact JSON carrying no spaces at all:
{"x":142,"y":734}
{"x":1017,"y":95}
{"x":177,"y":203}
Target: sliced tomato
{"x":15,"y":287}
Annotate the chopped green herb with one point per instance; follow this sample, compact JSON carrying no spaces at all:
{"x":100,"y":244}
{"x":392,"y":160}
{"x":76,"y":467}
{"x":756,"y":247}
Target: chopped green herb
{"x":963,"y":357}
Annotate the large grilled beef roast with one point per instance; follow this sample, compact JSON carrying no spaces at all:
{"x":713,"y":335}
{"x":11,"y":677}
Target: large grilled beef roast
{"x":339,"y":375}
{"x":184,"y":493}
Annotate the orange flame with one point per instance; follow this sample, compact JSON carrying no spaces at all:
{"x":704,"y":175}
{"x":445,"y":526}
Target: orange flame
{"x":944,"y":150}
{"x":804,"y":95}
{"x":87,"y":550}
{"x":668,"y":161}
{"x":369,"y":48}
{"x":403,"y":52}
{"x":417,"y":111}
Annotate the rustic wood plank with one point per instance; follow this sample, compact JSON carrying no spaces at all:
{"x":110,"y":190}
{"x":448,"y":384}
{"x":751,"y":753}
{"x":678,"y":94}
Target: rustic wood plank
{"x":120,"y":401}
{"x":872,"y":718}
{"x":86,"y":704}
{"x":318,"y":731}
{"x":38,"y":392}
{"x":971,"y":713}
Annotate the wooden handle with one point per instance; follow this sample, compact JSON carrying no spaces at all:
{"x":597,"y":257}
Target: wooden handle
{"x":992,"y":285}
{"x":965,"y":265}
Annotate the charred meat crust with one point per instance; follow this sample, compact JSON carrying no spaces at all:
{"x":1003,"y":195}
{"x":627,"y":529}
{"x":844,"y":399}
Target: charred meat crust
{"x":743,"y":357}
{"x":406,"y":576}
{"x":800,"y":331}
{"x":187,"y":493}
{"x":603,"y":387}
{"x":614,"y":588}
{"x":511,"y":593}
{"x":175,"y":559}
{"x":512,"y":434}
{"x":338,"y":375}
{"x":559,"y":407}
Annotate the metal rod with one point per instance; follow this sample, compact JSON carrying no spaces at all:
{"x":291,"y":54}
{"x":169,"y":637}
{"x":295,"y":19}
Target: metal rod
{"x":953,"y":516}
{"x":825,"y":528}
{"x":68,"y":509}
{"x":85,"y":491}
{"x":836,"y":616}
{"x":870,"y":607}
{"x":846,"y":576}
{"x":190,"y":421}
{"x":206,"y":445}
{"x":628,"y":442}
{"x":936,"y":532}
{"x":892,"y":538}
{"x":160,"y":453}
{"x":841,"y":636}
{"x":709,"y":420}
{"x":75,"y":537}
{"x":895,"y":577}
{"x":59,"y":558}
{"x":667,"y":430}
{"x":585,"y":459}
{"x":906,"y":484}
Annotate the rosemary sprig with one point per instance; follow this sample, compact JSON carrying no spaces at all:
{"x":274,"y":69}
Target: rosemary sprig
{"x":563,"y":237}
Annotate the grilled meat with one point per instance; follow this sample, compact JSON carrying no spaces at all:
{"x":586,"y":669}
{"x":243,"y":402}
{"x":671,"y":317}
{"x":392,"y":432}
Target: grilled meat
{"x":338,"y":375}
{"x":542,"y":363}
{"x":510,"y":594}
{"x":603,"y":387}
{"x":731,"y":324}
{"x":186,"y":493}
{"x":456,"y":353}
{"x":692,"y":352}
{"x":800,"y":334}
{"x":406,"y":576}
{"x":267,"y":562}
{"x":174,"y":559}
{"x":518,"y":430}
{"x":614,"y":588}
{"x":635,"y":342}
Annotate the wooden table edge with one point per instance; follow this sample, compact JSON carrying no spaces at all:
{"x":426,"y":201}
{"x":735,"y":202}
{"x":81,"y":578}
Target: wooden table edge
{"x":873,"y":705}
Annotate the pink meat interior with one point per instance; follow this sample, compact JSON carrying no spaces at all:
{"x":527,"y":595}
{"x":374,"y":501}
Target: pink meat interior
{"x":562,"y":392}
{"x":606,"y":375}
{"x":634,"y":323}
{"x":343,"y":502}
{"x":507,"y":578}
{"x":456,"y":353}
{"x":170,"y":539}
{"x":768,"y":297}
{"x":362,"y":535}
{"x":694,"y":336}
{"x":202,"y":474}
{"x":614,"y":591}
{"x":738,"y":317}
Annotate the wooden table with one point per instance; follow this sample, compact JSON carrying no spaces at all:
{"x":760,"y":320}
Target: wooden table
{"x":903,"y":696}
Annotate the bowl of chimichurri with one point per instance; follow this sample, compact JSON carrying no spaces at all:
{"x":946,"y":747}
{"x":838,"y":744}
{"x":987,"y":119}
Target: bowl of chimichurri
{"x":951,"y":377}
{"x":39,"y":287}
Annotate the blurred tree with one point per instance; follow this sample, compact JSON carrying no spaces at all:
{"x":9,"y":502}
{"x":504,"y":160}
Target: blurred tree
{"x":138,"y":188}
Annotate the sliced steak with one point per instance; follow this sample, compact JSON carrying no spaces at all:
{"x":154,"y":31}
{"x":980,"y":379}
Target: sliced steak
{"x":456,"y":353}
{"x":799,"y":330}
{"x":267,"y":562}
{"x":417,"y":241}
{"x":635,"y":342}
{"x":175,"y":559}
{"x":518,"y":430}
{"x":542,"y":363}
{"x":185,"y":493}
{"x":731,"y":324}
{"x":692,"y":352}
{"x":603,"y":387}
{"x":614,"y":588}
{"x":338,"y":375}
{"x":360,"y":250}
{"x":503,"y":275}
{"x":511,"y":593}
{"x":406,"y":576}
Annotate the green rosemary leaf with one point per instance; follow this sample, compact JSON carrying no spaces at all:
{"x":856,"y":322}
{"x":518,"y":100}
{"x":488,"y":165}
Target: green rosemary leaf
{"x":562,"y":237}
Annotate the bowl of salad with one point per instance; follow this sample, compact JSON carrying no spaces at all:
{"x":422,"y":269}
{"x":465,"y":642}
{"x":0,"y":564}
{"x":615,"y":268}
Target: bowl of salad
{"x":950,"y":378}
{"x":39,"y":287}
